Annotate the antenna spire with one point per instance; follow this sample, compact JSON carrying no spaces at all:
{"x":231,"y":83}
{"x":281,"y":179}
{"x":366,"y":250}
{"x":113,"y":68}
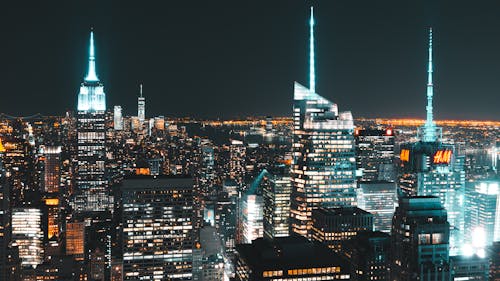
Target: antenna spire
{"x":430,"y":127}
{"x":312,"y":75}
{"x":140,"y":89}
{"x":91,"y":74}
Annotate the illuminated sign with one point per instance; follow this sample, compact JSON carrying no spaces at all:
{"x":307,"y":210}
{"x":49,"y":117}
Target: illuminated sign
{"x":442,"y":157}
{"x":405,"y":155}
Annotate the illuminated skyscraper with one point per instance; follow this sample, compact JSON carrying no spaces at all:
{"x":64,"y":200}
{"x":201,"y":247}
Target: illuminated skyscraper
{"x":141,"y":106}
{"x":482,"y":215}
{"x":52,"y":173}
{"x":431,"y":167}
{"x":375,"y":154}
{"x":75,"y":240}
{"x":323,"y":166}
{"x":27,"y":235}
{"x":157,"y":228}
{"x":118,"y":118}
{"x":92,"y":192}
{"x":276,"y":196}
{"x":380,"y":199}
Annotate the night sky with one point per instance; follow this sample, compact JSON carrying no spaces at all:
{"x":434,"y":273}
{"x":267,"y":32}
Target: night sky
{"x":223,"y":59}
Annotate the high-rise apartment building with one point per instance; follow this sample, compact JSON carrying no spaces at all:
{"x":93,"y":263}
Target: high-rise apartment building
{"x":75,"y":240}
{"x":92,"y":193}
{"x":420,"y":240}
{"x":323,"y":169}
{"x":157,"y":228}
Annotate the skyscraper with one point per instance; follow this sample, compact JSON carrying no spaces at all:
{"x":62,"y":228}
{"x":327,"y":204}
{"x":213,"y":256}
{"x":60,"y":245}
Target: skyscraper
{"x":482,"y":215}
{"x":92,"y":192}
{"x":419,"y":239}
{"x":141,"y":107}
{"x":52,"y":171}
{"x":27,"y":235}
{"x":277,"y":206}
{"x":323,"y":165}
{"x":4,"y":218}
{"x":117,"y":118}
{"x":431,"y":167}
{"x":375,"y":154}
{"x":157,"y":228}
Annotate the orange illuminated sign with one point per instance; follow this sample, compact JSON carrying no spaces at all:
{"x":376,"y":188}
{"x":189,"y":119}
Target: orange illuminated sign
{"x":404,"y":155}
{"x":51,"y":201}
{"x":442,"y":157}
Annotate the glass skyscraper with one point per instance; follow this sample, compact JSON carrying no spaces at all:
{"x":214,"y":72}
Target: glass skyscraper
{"x":323,"y":165}
{"x":92,"y":192}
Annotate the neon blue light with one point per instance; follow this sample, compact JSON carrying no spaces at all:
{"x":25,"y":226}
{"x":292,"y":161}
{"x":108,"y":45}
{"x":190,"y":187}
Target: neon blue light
{"x":312,"y":75}
{"x":91,"y":74}
{"x":430,"y":127}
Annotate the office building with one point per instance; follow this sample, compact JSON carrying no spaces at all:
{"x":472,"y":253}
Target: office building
{"x":482,"y":215}
{"x":420,"y":240}
{"x":470,"y":268}
{"x":27,"y":235}
{"x":92,"y":193}
{"x":323,"y":169}
{"x":117,"y":118}
{"x":288,"y":258}
{"x":52,"y":169}
{"x":53,"y":217}
{"x":380,"y":199}
{"x":75,"y":240}
{"x":431,"y":167}
{"x":157,"y":228}
{"x":276,"y":211}
{"x":375,"y":154}
{"x":369,"y":256}
{"x":333,"y":226}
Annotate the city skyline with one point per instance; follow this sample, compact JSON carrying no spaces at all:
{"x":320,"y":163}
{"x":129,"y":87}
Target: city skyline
{"x":270,"y":54}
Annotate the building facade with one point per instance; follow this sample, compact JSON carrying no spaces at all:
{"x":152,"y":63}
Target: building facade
{"x":92,"y":191}
{"x":157,"y":228}
{"x":420,"y":240}
{"x":323,"y":169}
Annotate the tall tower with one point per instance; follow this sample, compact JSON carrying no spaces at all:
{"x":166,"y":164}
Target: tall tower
{"x":323,"y":165}
{"x":430,"y":167}
{"x":429,"y":130}
{"x":141,"y":106}
{"x":92,"y":192}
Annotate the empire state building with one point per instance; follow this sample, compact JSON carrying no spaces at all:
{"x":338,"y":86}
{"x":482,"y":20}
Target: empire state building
{"x":92,"y":192}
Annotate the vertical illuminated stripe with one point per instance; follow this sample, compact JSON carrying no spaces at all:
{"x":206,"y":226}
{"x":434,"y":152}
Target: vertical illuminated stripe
{"x":430,"y":127}
{"x":312,"y":75}
{"x":91,"y":74}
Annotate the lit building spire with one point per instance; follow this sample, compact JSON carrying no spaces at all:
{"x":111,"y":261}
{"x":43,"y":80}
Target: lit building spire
{"x":312,"y":75}
{"x":430,"y":127}
{"x":91,"y":74}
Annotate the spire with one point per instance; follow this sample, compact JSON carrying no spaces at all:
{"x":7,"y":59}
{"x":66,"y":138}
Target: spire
{"x":430,"y":127}
{"x":140,"y":89}
{"x":91,"y":74}
{"x":312,"y":75}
